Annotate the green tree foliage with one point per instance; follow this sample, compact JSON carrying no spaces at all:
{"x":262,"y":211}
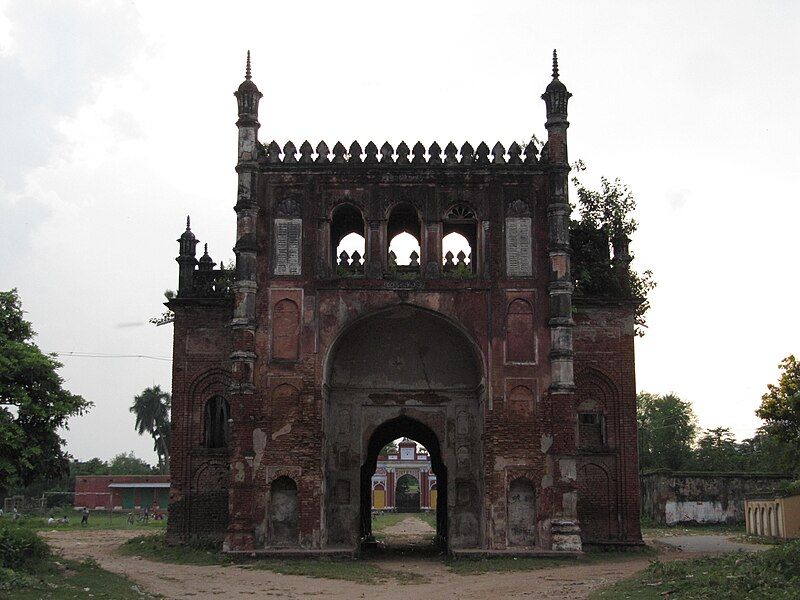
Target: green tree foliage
{"x":717,"y":450}
{"x":667,"y":429}
{"x":767,"y":453}
{"x":605,"y":220}
{"x":151,"y":408}
{"x":390,"y":448}
{"x":128,"y":464}
{"x":780,"y":406}
{"x":33,"y":403}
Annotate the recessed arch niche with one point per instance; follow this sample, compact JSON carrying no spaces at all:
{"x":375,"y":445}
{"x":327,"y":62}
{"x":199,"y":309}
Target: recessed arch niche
{"x":417,"y":373}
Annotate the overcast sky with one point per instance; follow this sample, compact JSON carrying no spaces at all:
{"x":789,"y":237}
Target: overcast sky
{"x":117,"y":119}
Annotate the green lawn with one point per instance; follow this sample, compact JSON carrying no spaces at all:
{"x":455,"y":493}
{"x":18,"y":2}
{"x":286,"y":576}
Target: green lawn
{"x":97,"y":520}
{"x":772,"y":574}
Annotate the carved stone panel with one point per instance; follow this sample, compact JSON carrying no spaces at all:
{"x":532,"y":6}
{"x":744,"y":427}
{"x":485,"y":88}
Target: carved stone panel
{"x":288,"y":244}
{"x":519,"y":247}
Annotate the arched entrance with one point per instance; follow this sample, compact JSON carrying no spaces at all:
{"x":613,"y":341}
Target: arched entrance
{"x":404,"y":372}
{"x":407,"y":496}
{"x":403,"y":427}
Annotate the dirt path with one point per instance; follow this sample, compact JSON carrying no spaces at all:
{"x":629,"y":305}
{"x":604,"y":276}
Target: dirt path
{"x":186,"y":581}
{"x":410,"y":527}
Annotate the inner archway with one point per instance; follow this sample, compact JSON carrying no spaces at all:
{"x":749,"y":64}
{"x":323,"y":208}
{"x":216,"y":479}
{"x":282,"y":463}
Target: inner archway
{"x":404,"y":372}
{"x":409,"y":428}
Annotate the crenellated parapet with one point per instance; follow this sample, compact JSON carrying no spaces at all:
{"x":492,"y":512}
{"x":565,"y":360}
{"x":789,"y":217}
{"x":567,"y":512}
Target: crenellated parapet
{"x":418,"y":156}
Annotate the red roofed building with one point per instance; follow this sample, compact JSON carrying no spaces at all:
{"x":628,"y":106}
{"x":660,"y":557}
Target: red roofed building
{"x":117,"y":492}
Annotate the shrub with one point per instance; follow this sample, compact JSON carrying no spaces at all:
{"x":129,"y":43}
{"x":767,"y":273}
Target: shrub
{"x":21,"y":548}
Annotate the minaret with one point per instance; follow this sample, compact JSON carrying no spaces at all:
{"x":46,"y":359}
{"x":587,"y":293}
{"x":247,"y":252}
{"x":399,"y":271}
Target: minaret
{"x":240,"y":524}
{"x":187,"y":245}
{"x":558,"y":212}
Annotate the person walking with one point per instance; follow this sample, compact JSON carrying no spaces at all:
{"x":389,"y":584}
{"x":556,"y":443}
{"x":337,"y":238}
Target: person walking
{"x":85,"y":517}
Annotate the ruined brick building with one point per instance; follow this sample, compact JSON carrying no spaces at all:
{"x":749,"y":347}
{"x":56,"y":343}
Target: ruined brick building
{"x":293,"y":371}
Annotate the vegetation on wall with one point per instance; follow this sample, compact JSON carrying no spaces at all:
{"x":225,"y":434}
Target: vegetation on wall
{"x":606,"y":221}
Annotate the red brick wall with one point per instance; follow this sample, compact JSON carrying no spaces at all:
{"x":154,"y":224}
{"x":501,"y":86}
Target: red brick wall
{"x":92,"y":491}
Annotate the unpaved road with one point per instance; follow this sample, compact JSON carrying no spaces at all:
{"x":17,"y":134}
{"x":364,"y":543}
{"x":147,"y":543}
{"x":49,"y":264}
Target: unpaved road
{"x":187,"y":581}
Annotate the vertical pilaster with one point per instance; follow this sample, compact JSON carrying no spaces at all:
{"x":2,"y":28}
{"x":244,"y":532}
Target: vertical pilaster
{"x":240,"y":533}
{"x":560,"y":287}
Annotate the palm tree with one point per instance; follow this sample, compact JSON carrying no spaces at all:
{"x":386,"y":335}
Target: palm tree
{"x":151,"y":408}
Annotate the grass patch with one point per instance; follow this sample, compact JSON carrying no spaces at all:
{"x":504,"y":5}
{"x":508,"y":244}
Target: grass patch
{"x":355,"y":570}
{"x":504,"y":564}
{"x":62,"y":579}
{"x":97,"y":520}
{"x":153,"y":547}
{"x":774,"y":573}
{"x":652,"y":530}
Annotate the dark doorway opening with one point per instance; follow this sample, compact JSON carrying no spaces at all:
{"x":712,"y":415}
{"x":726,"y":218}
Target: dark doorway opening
{"x":407,"y":494}
{"x":410,"y":488}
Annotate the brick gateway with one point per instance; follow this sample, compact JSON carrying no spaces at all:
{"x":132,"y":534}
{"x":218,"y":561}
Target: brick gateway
{"x":293,"y":371}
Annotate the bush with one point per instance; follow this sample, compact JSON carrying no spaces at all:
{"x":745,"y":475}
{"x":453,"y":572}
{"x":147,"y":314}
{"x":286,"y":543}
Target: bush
{"x":21,"y":548}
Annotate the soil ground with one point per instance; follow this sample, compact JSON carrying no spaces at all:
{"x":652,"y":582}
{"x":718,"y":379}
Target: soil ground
{"x":574,"y":581}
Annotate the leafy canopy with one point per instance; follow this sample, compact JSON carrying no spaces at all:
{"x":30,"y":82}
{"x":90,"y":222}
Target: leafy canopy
{"x":780,"y":406}
{"x":606,"y":218}
{"x":33,"y":403}
{"x":152,"y":408}
{"x":667,"y":429}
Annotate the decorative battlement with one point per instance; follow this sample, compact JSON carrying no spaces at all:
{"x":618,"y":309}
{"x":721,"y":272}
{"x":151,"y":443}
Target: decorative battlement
{"x":433,"y":156}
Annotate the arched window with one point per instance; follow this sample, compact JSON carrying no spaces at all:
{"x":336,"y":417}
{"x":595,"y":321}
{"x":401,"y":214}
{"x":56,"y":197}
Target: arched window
{"x":216,"y":423}
{"x":348,"y":244}
{"x":404,"y":233}
{"x":459,"y":241}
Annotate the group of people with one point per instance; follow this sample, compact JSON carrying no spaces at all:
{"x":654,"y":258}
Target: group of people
{"x":65,"y":519}
{"x":14,"y":514}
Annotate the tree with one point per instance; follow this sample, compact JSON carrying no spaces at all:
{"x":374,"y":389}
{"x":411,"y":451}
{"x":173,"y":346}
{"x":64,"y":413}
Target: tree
{"x":390,"y":448}
{"x":780,"y":406}
{"x":128,"y":464}
{"x":717,"y":450}
{"x":33,"y":403}
{"x":606,"y":219}
{"x":151,"y":408}
{"x":667,"y":429}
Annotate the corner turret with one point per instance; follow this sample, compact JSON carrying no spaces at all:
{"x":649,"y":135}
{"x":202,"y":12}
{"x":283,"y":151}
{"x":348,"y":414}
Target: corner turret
{"x":247,"y":98}
{"x":187,"y":245}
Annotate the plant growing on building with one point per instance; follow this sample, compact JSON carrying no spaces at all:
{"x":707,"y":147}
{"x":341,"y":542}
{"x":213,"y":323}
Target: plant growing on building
{"x":606,"y":219}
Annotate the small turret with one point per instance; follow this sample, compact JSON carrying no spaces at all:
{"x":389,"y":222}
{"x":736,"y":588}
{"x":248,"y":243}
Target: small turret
{"x":206,"y":263}
{"x":187,"y":245}
{"x":556,"y":96}
{"x":247,"y":97}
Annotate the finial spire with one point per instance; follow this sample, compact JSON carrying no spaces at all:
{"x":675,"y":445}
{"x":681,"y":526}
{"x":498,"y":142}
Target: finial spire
{"x":188,"y":228}
{"x":205,"y":248}
{"x":247,"y":68}
{"x":555,"y":65}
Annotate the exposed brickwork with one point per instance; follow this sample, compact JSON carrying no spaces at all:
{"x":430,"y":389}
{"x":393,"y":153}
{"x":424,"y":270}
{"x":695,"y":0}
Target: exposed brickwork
{"x":319,"y":366}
